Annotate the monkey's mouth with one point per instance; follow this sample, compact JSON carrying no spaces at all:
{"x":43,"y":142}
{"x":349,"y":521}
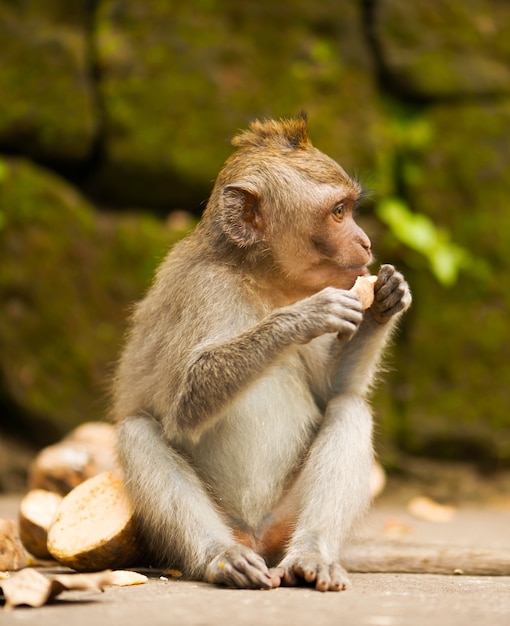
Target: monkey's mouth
{"x":360,"y":270}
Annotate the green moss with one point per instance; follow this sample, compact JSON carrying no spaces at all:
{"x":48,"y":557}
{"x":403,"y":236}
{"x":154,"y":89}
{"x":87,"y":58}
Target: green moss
{"x":452,"y":363}
{"x":445,"y":48}
{"x":67,"y":278}
{"x":48,"y":105}
{"x":175,"y":81}
{"x":178,"y":81}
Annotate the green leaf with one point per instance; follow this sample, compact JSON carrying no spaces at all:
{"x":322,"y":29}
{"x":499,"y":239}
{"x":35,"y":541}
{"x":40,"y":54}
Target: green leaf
{"x":419,"y":233}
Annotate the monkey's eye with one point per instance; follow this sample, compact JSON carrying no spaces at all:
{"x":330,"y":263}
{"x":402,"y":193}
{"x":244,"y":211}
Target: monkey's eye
{"x":339,"y":211}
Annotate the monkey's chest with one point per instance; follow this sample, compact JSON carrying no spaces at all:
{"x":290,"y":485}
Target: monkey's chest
{"x":259,"y":443}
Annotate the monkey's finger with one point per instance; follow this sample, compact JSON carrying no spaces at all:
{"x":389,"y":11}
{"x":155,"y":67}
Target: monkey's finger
{"x":347,"y":322}
{"x":385,"y":271}
{"x":327,"y":577}
{"x":256,"y":578}
{"x":306,"y":569}
{"x":322,"y":577}
{"x":348,"y":308}
{"x":242,"y":576}
{"x":230,"y":577}
{"x":348,"y":325}
{"x":253,"y":579}
{"x":353,"y":311}
{"x":277,"y":575}
{"x":253,"y":568}
{"x":254,"y":559}
{"x":393,"y":293}
{"x":399,"y":299}
{"x":239,"y":567}
{"x":289,"y":577}
{"x":386,"y":314}
{"x":352,"y":301}
{"x":387,"y":282}
{"x":394,"y":297}
{"x":338,"y":578}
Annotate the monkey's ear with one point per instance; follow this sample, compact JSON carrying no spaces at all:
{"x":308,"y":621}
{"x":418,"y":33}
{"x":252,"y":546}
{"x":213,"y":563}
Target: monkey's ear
{"x":242,"y":221}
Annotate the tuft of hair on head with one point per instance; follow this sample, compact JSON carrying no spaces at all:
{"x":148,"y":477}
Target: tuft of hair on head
{"x":285,"y":133}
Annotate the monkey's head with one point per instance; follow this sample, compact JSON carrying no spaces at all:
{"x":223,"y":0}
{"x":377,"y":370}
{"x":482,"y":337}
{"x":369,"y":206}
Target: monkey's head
{"x":290,"y":207}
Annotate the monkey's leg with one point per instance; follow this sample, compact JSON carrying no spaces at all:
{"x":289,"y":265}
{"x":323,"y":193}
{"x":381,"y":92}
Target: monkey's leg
{"x":333,"y":490}
{"x":177,"y":516}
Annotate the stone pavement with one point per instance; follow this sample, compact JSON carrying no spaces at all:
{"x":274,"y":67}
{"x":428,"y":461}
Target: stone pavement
{"x":374,"y":600}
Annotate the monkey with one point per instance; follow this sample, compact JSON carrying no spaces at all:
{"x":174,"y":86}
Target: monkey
{"x":240,"y":396}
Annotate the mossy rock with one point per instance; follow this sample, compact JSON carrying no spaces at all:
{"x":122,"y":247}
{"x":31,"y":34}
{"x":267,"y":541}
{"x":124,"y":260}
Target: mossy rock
{"x":179,"y":79}
{"x":450,"y":393}
{"x":67,"y":278}
{"x":444,"y":48}
{"x":48,"y":101}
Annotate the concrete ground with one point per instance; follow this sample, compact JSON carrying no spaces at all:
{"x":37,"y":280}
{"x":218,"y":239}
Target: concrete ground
{"x":374,"y":600}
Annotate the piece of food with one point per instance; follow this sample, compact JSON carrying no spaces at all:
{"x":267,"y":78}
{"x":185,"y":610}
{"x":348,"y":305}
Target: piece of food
{"x":36,"y":514}
{"x":426,"y":509}
{"x":94,"y":527}
{"x":31,"y":588}
{"x":60,"y":467}
{"x":12,"y":552}
{"x":377,"y":479}
{"x":99,"y":438}
{"x":364,"y":288}
{"x":85,"y":452}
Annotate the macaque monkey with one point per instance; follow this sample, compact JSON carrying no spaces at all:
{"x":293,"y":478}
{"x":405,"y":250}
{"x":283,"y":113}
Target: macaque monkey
{"x":244,"y":431}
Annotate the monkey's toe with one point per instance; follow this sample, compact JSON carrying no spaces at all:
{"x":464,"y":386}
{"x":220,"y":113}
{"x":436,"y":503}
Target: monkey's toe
{"x":314,"y":570}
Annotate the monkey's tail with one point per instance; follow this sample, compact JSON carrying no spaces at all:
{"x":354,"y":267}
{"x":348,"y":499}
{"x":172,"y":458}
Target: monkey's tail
{"x":413,"y":558}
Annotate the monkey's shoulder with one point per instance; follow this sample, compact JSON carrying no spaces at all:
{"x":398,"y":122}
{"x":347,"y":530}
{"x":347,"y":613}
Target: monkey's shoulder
{"x":200,"y":291}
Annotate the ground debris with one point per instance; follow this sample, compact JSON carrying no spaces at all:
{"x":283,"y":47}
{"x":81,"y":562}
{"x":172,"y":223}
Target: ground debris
{"x":31,"y":588}
{"x":12,"y":552}
{"x":431,"y":511}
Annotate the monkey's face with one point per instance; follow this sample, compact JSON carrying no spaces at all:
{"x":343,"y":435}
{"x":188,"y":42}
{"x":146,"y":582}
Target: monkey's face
{"x":293,"y":214}
{"x":318,"y":243}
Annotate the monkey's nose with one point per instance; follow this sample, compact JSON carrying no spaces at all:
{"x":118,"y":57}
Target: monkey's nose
{"x":365,"y":242}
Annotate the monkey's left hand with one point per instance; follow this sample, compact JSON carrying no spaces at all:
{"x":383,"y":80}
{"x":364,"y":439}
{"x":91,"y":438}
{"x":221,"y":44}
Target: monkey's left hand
{"x":391,"y":294}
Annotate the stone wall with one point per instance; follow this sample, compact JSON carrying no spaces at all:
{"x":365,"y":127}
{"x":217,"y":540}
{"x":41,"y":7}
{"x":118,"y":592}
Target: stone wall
{"x":115,"y":113}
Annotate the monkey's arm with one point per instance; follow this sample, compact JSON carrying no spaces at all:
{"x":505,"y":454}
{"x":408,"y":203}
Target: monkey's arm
{"x":230,"y":365}
{"x":354,"y":362}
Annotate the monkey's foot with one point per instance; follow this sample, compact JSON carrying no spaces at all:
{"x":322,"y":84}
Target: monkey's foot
{"x":240,"y":567}
{"x":312,"y":568}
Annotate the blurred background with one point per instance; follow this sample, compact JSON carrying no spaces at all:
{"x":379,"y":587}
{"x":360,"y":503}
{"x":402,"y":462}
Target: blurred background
{"x":115,"y":117}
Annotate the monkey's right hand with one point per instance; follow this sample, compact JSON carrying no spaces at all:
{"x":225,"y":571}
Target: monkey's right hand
{"x":328,"y":311}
